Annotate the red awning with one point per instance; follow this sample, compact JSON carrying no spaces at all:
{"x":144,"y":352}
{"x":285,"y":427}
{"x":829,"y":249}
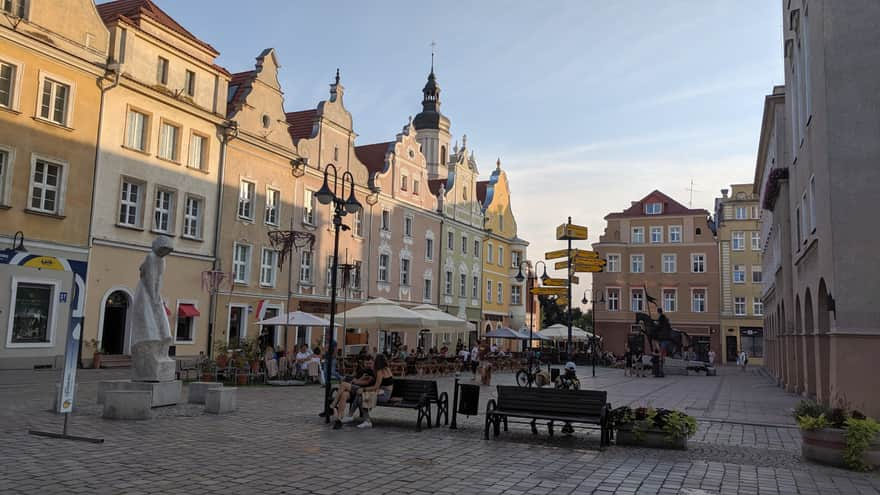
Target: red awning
{"x":187,"y":311}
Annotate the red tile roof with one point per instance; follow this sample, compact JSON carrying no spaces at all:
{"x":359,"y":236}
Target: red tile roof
{"x":240,"y":83}
{"x":373,"y":155}
{"x":671,"y":207}
{"x":301,"y":123}
{"x":482,"y":186}
{"x":134,"y":9}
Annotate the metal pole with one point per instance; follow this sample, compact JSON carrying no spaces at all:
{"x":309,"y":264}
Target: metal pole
{"x":531,"y":322}
{"x":569,"y":292}
{"x":289,"y":283}
{"x":454,"y":425}
{"x":593,"y":340}
{"x":337,"y":223}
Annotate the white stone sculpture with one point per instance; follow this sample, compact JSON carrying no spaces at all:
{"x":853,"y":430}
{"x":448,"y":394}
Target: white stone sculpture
{"x":151,"y":332}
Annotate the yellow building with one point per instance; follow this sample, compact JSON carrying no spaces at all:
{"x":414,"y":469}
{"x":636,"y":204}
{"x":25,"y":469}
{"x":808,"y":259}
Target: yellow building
{"x":49,"y":65}
{"x":737,"y":216}
{"x":503,"y":297}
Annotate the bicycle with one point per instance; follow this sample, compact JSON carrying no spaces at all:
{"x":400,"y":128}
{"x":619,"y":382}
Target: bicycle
{"x":526,"y":377}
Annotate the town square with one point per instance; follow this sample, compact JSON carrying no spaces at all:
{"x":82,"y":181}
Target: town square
{"x":485,"y":247}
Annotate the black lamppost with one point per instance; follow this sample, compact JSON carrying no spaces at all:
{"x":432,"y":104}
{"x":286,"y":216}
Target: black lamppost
{"x":341,"y":207}
{"x":595,"y":337}
{"x":531,"y":276}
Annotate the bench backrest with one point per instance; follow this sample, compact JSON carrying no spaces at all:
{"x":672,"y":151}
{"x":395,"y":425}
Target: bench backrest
{"x":552,"y":401}
{"x":413,"y":390}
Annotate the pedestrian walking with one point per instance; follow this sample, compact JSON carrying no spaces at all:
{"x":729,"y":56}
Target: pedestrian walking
{"x":743,"y":359}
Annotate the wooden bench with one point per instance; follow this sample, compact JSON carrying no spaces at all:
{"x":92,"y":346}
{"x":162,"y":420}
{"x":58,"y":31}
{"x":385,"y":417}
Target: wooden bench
{"x":413,"y":394}
{"x":564,"y":406}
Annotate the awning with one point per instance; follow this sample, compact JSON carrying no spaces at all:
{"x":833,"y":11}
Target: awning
{"x":187,"y":311}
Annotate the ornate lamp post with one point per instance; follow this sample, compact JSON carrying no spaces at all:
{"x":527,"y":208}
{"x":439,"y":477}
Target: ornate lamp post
{"x":531,"y":276}
{"x":341,"y":207}
{"x":594,"y":338}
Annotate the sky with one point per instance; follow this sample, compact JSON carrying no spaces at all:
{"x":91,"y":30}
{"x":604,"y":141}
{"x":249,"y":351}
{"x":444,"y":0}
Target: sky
{"x":589,"y":104}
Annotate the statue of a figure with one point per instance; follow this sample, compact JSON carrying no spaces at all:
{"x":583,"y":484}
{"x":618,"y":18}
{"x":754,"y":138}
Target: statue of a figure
{"x":150,"y":330}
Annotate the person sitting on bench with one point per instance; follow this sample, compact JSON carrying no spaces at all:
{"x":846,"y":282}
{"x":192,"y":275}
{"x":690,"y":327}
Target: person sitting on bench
{"x":383,"y":387}
{"x":348,"y":391}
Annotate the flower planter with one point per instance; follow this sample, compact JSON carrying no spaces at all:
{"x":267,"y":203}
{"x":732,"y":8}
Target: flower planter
{"x":826,"y":446}
{"x":96,"y":360}
{"x":646,"y":436}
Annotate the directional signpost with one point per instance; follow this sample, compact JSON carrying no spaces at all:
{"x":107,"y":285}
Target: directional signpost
{"x":561,"y":282}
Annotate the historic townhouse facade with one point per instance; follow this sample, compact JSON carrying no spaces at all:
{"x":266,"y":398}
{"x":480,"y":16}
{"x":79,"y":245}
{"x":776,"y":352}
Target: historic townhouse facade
{"x":820,"y":312}
{"x":504,"y":298}
{"x":159,"y":159}
{"x":49,"y":65}
{"x":661,"y":246}
{"x":738,"y":224}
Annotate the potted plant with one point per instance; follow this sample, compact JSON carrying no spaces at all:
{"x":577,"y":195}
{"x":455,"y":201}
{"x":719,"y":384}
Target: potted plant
{"x":221,"y":354}
{"x":97,"y":353}
{"x":838,"y":437}
{"x":240,"y":363}
{"x":649,"y":427}
{"x":251,"y":352}
{"x":206,"y":368}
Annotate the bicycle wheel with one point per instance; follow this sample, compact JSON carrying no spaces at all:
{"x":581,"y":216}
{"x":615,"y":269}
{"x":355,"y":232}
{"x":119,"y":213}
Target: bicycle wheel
{"x":522,"y":378}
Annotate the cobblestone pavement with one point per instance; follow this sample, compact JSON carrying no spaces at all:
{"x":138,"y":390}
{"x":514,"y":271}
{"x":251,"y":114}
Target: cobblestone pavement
{"x":275,"y":444}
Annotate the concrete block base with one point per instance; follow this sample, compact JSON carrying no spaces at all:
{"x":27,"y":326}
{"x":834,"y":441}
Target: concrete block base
{"x":127,"y":404}
{"x":199,"y":390}
{"x":220,"y":400}
{"x":161,"y":393}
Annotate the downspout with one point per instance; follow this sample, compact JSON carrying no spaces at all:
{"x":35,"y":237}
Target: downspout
{"x":230,"y":131}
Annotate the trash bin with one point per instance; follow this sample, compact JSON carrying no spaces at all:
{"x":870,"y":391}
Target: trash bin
{"x":469,"y":399}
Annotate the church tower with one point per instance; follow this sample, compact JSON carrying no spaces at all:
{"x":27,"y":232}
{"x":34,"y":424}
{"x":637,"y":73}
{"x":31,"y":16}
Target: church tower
{"x":432,"y":128}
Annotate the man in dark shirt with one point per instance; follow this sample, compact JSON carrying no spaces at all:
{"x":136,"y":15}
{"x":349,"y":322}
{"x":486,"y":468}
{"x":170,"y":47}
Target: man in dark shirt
{"x":364,"y":377}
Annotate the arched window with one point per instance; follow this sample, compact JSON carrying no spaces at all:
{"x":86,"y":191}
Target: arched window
{"x":443,"y":155}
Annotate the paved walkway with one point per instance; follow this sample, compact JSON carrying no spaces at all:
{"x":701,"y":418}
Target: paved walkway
{"x":275,"y":443}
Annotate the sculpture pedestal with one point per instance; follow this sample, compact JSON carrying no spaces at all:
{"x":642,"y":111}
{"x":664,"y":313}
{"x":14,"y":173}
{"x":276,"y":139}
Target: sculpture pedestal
{"x":161,"y":393}
{"x":150,"y":362}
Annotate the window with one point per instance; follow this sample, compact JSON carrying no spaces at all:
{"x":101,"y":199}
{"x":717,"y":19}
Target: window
{"x":464,"y":244}
{"x":812,"y":204}
{"x":268,"y":262}
{"x":488,"y":291}
{"x":185,"y":325}
{"x":241,"y":263}
{"x":130,"y":204}
{"x":169,"y":143}
{"x":17,"y":8}
{"x":443,"y":155}
{"x":755,"y":214}
{"x":237,"y":324}
{"x":190,"y":83}
{"x":403,"y":183}
{"x":54,"y":101}
{"x":739,"y":274}
{"x":123,"y":35}
{"x":477,"y":249}
{"x":637,"y":300}
{"x":162,"y":211}
{"x":162,"y":71}
{"x":46,"y":188}
{"x":739,"y":306}
{"x":33,"y":312}
{"x":273,"y":199}
{"x":612,"y":263}
{"x":449,"y":283}
{"x":752,"y":341}
{"x":462,"y":285}
{"x":757,"y":307}
{"x":653,"y":208}
{"x":515,"y":295}
{"x":429,"y":249}
{"x":383,"y":267}
{"x":198,"y":146}
{"x":427,"y":295}
{"x":501,"y":221}
{"x":739,"y":241}
{"x":489,"y":254}
{"x":515,"y":259}
{"x":356,"y":276}
{"x":386,"y":220}
{"x":404,"y":271}
{"x":669,"y":263}
{"x":741,"y":213}
{"x":309,"y":207}
{"x":192,"y":218}
{"x":416,"y":187}
{"x":756,"y":241}
{"x":246,"y":193}
{"x":500,"y":256}
{"x":450,"y":240}
{"x":464,"y":195}
{"x":305,"y":267}
{"x":612,"y":300}
{"x":7,"y":84}
{"x":756,"y":274}
{"x":799,"y":236}
{"x":670,"y":300}
{"x":638,"y":235}
{"x":407,"y":226}
{"x":500,"y":293}
{"x":475,"y":288}
{"x":698,"y":263}
{"x":138,"y":130}
{"x":698,"y":304}
{"x":4,"y":173}
{"x":675,"y":233}
{"x":637,"y":263}
{"x":359,"y":223}
{"x":805,"y":208}
{"x":656,"y":235}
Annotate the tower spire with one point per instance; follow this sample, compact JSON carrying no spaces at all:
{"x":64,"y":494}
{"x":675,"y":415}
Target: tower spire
{"x":433,"y":44}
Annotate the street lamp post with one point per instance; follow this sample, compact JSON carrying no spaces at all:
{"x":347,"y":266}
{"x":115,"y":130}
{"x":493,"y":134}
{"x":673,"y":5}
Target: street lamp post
{"x":531,"y":277}
{"x":594,"y":338}
{"x":341,"y":207}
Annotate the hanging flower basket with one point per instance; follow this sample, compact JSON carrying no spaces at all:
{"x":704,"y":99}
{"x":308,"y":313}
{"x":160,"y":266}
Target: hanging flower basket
{"x":773,"y":186}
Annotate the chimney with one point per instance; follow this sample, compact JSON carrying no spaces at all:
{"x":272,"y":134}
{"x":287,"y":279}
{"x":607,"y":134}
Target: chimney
{"x":724,"y":193}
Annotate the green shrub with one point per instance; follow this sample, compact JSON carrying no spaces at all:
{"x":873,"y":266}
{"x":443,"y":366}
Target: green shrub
{"x":859,"y":435}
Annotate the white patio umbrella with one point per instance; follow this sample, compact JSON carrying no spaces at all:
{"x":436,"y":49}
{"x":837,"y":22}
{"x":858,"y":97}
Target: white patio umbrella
{"x":560,"y":332}
{"x":535,"y":335}
{"x":441,"y":321}
{"x":382,"y":314}
{"x":296,"y":319}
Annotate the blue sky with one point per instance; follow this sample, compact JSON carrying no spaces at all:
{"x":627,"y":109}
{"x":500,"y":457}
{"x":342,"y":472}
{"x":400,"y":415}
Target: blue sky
{"x":589,"y":104}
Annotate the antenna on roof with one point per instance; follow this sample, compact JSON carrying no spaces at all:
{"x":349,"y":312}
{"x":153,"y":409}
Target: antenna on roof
{"x":692,"y":191}
{"x":433,"y":44}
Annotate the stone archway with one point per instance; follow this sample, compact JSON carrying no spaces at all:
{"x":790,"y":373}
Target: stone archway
{"x":798,"y":346}
{"x":809,"y":346}
{"x":823,"y":345}
{"x":115,"y":322}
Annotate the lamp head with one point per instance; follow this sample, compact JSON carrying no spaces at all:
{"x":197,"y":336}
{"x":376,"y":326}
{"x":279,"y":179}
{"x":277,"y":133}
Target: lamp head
{"x":352,"y":205}
{"x":544,"y":276}
{"x":324,"y":195}
{"x":584,"y":300}
{"x":519,"y":276}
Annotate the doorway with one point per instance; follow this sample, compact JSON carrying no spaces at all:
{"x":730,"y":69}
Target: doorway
{"x":115,"y":317}
{"x":272,"y":330}
{"x":731,"y":349}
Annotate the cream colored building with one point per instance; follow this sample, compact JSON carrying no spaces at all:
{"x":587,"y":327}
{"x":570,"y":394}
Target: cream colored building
{"x":159,"y":158}
{"x":738,"y":224}
{"x":49,"y":65}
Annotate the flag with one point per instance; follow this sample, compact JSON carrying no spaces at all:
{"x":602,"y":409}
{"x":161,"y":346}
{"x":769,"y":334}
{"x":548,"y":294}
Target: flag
{"x":261,"y":309}
{"x":167,"y":311}
{"x":648,"y":297}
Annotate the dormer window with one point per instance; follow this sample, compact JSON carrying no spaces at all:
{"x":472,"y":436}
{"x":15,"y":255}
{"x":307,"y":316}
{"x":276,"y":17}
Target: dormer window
{"x":653,"y":208}
{"x":266,"y":121}
{"x":17,"y":8}
{"x":190,"y":83}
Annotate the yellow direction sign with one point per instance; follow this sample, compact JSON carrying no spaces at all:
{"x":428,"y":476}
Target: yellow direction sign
{"x":563,"y":265}
{"x":586,"y":256}
{"x":561,"y":253}
{"x":549,"y":291}
{"x":562,"y":301}
{"x":560,"y":282}
{"x":588,"y":269}
{"x":568,"y":231}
